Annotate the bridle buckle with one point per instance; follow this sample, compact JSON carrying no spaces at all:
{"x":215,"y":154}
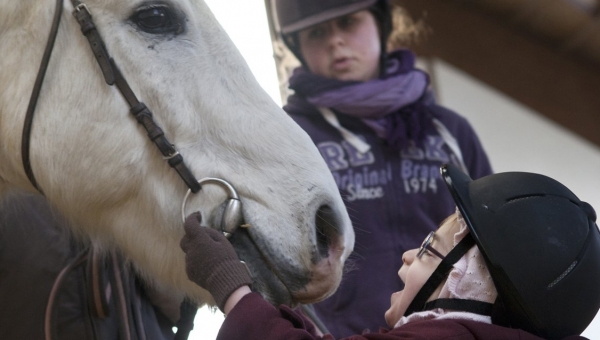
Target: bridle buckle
{"x":171,"y":156}
{"x":82,"y":6}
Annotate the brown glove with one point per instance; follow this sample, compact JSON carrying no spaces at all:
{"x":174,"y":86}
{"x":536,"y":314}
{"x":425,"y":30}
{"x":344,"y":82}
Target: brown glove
{"x":211,"y":261}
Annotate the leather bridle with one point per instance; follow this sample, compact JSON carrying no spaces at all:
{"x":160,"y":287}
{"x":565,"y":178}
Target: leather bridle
{"x":112,"y":76}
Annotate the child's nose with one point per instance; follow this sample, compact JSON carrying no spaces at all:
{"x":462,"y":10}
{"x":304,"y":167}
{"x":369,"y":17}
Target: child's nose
{"x":409,"y":256}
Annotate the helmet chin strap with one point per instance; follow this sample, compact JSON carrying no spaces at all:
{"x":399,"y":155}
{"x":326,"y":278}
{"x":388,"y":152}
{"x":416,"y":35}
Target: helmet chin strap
{"x":471,"y":306}
{"x":420,"y":303}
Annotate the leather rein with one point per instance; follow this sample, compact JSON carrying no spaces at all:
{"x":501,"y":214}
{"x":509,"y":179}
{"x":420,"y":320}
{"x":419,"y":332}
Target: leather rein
{"x":112,"y":76}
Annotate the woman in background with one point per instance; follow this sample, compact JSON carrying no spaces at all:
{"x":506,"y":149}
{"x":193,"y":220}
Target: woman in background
{"x":375,"y":121}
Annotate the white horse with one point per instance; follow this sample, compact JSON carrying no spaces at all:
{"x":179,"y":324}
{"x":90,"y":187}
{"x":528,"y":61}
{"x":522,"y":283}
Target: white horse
{"x":97,"y":166}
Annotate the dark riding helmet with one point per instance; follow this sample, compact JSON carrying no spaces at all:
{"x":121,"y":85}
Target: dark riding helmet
{"x":541,"y":245}
{"x":296,"y":15}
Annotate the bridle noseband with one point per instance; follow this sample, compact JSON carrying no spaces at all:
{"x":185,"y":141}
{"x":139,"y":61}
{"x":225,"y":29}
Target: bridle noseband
{"x":112,"y":76}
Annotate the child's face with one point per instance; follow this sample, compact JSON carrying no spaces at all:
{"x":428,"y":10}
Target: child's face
{"x":415,"y":271}
{"x":345,"y":48}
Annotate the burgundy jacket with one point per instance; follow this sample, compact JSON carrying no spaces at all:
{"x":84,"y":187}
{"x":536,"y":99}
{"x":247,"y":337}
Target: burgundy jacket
{"x":255,"y":319}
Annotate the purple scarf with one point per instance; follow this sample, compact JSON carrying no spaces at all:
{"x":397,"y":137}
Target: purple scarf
{"x":391,"y":105}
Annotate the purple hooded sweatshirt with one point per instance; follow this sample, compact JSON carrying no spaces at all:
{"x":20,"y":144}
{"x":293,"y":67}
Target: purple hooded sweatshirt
{"x":394,"y":192}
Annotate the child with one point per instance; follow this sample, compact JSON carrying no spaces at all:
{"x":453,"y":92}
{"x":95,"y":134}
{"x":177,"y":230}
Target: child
{"x":384,"y":138}
{"x":519,"y":260}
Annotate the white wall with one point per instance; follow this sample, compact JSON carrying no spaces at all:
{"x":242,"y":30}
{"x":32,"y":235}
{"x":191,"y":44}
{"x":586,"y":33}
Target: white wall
{"x":517,"y":138}
{"x":246,"y":23}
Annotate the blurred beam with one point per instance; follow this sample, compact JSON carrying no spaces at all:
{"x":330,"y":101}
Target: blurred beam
{"x":530,"y":70}
{"x":558,"y":21}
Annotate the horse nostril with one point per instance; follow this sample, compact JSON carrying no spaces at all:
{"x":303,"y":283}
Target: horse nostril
{"x":326,"y":227}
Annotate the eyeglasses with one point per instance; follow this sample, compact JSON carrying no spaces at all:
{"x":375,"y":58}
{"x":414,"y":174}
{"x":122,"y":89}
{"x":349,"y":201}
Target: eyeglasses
{"x":426,"y":245}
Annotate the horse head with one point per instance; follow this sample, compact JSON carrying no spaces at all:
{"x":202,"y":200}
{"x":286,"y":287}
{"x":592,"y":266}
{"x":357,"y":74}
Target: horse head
{"x":97,"y":166}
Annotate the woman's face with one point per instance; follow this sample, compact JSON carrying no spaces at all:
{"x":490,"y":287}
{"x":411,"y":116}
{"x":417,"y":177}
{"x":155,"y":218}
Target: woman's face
{"x":345,"y":48}
{"x":416,"y":271}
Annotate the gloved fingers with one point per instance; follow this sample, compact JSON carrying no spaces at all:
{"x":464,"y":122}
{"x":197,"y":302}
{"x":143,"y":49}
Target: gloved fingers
{"x":192,"y":222}
{"x":194,"y":228}
{"x":199,"y":236}
{"x":216,"y":236}
{"x":192,"y":231}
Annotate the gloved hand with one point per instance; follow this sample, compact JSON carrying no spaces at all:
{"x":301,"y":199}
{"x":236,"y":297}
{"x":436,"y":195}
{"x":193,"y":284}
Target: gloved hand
{"x":211,"y":261}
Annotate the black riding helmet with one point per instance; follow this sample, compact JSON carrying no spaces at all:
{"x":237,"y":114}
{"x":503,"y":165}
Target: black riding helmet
{"x":541,"y":246}
{"x":296,"y":15}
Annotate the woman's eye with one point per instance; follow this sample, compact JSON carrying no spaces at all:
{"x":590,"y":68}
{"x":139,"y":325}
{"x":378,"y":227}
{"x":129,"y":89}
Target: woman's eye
{"x":157,"y":20}
{"x":348,"y":21}
{"x":316,"y":33}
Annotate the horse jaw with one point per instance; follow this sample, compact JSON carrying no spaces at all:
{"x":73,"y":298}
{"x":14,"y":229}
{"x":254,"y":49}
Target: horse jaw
{"x":98,"y":168}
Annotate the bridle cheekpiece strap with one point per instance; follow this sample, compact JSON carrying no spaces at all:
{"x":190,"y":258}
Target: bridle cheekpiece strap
{"x":112,"y":75}
{"x":88,"y":28}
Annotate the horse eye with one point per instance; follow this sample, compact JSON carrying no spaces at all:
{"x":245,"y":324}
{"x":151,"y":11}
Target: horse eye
{"x":157,"y":20}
